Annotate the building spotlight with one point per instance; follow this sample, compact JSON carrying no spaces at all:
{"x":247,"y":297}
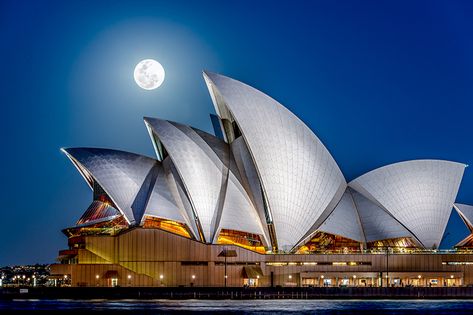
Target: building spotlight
{"x":129,"y":277}
{"x":97,"y":277}
{"x":290,"y":276}
{"x":257,"y":277}
{"x":161,"y":277}
{"x":451,"y":277}
{"x":226,"y":276}
{"x":193,"y":277}
{"x":419,"y":276}
{"x":354,"y":276}
{"x":322,"y":276}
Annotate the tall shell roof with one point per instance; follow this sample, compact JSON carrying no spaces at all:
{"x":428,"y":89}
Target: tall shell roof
{"x":203,"y":162}
{"x":419,"y":194}
{"x":301,"y":181}
{"x":122,"y":175}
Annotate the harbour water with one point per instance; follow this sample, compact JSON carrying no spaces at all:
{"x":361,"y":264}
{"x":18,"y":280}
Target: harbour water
{"x":325,"y":307}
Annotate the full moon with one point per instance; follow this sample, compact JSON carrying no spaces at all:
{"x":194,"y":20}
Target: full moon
{"x":149,"y":74}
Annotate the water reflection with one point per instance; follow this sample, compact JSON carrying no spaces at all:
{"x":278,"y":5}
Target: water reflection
{"x":366,"y":307}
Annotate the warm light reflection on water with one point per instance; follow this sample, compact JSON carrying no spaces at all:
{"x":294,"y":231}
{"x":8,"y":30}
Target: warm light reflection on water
{"x":240,"y":306}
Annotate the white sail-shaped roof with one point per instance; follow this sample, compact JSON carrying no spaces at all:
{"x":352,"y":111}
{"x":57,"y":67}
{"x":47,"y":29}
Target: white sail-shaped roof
{"x":122,"y":175}
{"x":201,"y":173}
{"x":466,"y":213}
{"x":249,"y":179}
{"x":377,"y":224}
{"x":301,"y":182}
{"x":161,"y":202}
{"x":203,"y":162}
{"x":344,"y":220}
{"x":178,"y":191}
{"x":419,"y":194}
{"x":357,"y":218}
{"x":238,"y":212}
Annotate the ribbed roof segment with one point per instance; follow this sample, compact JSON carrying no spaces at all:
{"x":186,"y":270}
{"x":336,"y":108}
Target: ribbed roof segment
{"x":121,"y":174}
{"x":419,"y":194}
{"x":300,"y":180}
{"x":136,"y":184}
{"x":344,"y":220}
{"x":204,"y":164}
{"x":358,"y":218}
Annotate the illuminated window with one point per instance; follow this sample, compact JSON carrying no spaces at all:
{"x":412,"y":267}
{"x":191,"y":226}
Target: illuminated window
{"x":277,"y":264}
{"x":246,"y":240}
{"x":402,"y":244}
{"x":457,"y":263}
{"x":166,"y":225}
{"x":325,"y":243}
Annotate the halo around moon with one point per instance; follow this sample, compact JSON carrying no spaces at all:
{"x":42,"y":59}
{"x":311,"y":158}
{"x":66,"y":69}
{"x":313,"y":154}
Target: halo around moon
{"x":149,"y":74}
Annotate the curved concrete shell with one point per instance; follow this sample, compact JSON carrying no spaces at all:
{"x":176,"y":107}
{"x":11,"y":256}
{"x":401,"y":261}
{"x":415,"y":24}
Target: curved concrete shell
{"x":123,"y":176}
{"x":300,"y":180}
{"x":376,"y":222}
{"x":178,"y":191}
{"x":419,"y":194}
{"x":357,"y":218}
{"x":238,"y":212}
{"x":466,"y":213}
{"x":161,"y":202}
{"x":344,"y":220}
{"x":203,"y":163}
{"x":250,"y":181}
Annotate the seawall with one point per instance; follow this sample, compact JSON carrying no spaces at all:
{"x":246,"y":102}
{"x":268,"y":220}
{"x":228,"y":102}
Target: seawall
{"x":237,"y":293}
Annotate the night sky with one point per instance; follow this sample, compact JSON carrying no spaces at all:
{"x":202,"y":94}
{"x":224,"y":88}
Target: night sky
{"x":378,"y":81}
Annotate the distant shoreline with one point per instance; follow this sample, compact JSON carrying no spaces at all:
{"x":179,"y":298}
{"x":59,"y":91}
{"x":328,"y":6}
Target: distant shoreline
{"x":147,"y":293}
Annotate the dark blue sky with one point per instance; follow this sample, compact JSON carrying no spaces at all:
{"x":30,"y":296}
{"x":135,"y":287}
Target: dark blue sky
{"x":378,"y":81}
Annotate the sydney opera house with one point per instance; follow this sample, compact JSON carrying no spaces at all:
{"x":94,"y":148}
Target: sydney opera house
{"x":260,"y":203}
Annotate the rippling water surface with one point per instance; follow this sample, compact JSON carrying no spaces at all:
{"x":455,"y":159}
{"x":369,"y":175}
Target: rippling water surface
{"x":377,"y":307}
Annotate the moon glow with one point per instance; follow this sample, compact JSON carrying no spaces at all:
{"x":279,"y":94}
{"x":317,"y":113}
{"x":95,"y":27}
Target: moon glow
{"x":149,"y":74}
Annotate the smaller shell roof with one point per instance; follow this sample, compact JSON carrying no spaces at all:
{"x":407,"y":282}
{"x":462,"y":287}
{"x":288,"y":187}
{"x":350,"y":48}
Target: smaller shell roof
{"x":357,"y":218}
{"x":418,"y":193}
{"x":344,"y":220}
{"x":210,"y":177}
{"x":130,"y":180}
